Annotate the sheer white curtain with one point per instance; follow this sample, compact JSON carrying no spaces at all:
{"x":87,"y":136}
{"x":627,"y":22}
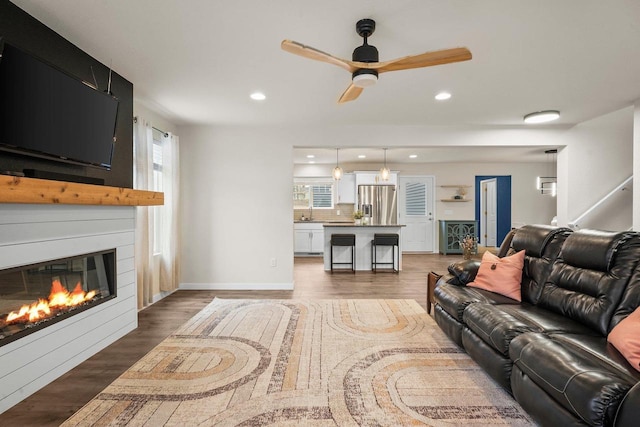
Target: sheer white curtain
{"x":169,"y":257}
{"x":143,"y":180}
{"x":156,"y":271}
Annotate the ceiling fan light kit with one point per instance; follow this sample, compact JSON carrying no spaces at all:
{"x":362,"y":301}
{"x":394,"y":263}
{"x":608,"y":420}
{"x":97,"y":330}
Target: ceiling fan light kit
{"x":542,"y":116}
{"x":364,"y":78}
{"x":365,"y":65}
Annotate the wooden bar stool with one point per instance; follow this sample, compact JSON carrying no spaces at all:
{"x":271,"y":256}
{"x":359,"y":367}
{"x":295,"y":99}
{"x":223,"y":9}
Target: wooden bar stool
{"x":344,"y":240}
{"x":392,"y":240}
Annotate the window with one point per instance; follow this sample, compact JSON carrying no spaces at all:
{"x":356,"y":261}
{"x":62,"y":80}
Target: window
{"x":415,"y":198}
{"x":313,"y":193}
{"x":157,"y":186}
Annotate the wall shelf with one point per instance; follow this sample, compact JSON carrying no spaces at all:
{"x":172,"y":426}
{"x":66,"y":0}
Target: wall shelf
{"x":461,"y":190}
{"x":42,"y":191}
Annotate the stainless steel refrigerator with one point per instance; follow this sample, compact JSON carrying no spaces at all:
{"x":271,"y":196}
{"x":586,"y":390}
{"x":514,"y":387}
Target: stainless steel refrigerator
{"x":378,"y":203}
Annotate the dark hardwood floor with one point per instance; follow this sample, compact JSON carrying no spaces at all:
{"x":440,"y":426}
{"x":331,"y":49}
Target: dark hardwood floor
{"x":56,"y":402}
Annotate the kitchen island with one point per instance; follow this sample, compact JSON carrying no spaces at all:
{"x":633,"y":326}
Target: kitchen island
{"x":364,"y":236}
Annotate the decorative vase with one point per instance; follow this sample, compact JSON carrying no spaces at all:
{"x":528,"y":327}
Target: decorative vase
{"x":358,"y":221}
{"x":466,"y":252}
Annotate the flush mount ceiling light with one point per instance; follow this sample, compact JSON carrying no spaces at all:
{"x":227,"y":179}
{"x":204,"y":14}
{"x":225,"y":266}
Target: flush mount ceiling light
{"x":442,"y":96}
{"x":385,"y":173}
{"x":337,"y":171}
{"x":310,"y":156}
{"x":258,"y":96}
{"x":413,"y":156}
{"x":362,"y":156}
{"x":542,"y":116}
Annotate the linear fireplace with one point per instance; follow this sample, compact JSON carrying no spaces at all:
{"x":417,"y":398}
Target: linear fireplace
{"x":35,"y":296}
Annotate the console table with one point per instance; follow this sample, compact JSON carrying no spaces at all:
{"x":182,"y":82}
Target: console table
{"x":451,"y":232}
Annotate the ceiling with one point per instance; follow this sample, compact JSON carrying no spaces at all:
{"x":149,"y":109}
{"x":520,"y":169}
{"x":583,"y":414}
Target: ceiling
{"x":327,"y":156}
{"x":197,"y":61}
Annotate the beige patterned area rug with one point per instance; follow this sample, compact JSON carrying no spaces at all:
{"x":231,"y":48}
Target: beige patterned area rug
{"x":305,"y":363}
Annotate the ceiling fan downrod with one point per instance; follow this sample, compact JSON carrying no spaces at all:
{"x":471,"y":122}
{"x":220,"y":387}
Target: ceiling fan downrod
{"x":367,"y":53}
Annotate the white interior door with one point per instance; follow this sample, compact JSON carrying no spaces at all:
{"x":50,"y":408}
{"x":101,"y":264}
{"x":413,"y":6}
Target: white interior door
{"x":416,"y":203}
{"x":488,"y":213}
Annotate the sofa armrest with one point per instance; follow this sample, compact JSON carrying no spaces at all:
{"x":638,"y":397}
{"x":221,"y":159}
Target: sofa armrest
{"x":629,"y":409}
{"x":463,"y":272}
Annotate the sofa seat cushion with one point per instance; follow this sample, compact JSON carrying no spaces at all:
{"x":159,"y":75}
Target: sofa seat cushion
{"x":454,"y":298}
{"x":494,"y":326}
{"x":497,"y":325}
{"x":582,"y":381}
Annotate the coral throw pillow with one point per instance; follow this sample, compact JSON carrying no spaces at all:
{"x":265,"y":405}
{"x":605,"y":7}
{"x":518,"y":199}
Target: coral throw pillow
{"x":626,"y":338}
{"x":500,"y":275}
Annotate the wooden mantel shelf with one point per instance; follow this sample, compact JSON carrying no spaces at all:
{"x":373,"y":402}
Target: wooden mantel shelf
{"x":42,"y":191}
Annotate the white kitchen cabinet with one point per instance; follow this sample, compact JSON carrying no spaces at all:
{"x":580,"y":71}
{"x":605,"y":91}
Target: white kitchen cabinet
{"x":308,"y":238}
{"x":317,"y":241}
{"x":346,"y":189}
{"x":373,"y":178}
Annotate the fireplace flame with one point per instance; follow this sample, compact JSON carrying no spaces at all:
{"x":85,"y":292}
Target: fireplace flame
{"x":59,"y":297}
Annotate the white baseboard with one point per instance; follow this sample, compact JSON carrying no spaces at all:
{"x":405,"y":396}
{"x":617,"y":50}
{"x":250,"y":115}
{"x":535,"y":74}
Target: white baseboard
{"x":161,"y":295}
{"x":237,"y":286}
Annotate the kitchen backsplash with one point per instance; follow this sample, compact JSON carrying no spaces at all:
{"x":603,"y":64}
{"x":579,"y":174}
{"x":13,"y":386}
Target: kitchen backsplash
{"x":346,"y":213}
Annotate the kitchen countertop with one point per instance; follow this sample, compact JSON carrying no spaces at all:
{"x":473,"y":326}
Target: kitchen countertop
{"x":297,"y":221}
{"x":362,"y":226}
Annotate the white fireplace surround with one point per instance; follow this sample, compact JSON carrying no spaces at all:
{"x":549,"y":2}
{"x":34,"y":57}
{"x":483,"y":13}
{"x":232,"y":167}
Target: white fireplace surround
{"x":35,"y":233}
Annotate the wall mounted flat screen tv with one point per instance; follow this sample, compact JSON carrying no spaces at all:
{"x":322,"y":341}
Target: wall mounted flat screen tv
{"x":47,"y":113}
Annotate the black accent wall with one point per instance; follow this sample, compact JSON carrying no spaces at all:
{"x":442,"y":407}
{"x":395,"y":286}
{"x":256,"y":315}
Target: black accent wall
{"x":23,"y":30}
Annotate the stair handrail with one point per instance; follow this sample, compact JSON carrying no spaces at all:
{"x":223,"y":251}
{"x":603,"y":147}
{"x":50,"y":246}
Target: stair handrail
{"x":575,"y":223}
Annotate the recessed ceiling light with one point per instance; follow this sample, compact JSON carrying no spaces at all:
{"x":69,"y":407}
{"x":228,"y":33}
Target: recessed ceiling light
{"x":542,"y":116}
{"x":310,"y":156}
{"x":443,"y":96}
{"x":311,"y":162}
{"x":258,"y":96}
{"x":362,"y":156}
{"x":413,"y":156}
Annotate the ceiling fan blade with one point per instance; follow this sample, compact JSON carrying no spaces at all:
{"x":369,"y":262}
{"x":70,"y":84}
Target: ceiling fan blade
{"x":318,"y":55}
{"x":428,"y":59}
{"x":350,"y":94}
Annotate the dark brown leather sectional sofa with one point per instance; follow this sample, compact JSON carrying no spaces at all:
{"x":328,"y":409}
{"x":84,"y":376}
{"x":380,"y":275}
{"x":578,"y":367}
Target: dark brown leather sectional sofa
{"x":550,"y":351}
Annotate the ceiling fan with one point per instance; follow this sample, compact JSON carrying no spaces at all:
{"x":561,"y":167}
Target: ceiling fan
{"x":365,"y":67}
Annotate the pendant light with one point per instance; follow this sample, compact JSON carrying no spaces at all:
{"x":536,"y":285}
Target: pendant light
{"x":337,"y":171}
{"x":385,"y":173}
{"x":547,"y":185}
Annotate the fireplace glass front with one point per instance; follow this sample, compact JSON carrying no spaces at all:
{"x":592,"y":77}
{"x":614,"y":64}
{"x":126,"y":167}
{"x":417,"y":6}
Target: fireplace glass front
{"x":38,"y":295}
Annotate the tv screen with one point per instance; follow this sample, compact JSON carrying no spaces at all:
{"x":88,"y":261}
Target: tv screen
{"x":45,"y":112}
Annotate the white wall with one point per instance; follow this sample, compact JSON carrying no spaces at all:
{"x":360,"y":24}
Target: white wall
{"x":236,"y":187}
{"x":150,"y":113}
{"x":236,"y":190}
{"x":636,"y":166}
{"x":598,"y":156}
{"x":528,"y":206}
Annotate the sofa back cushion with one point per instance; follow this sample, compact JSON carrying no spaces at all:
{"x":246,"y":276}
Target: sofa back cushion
{"x":588,"y":280}
{"x":542,"y":244}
